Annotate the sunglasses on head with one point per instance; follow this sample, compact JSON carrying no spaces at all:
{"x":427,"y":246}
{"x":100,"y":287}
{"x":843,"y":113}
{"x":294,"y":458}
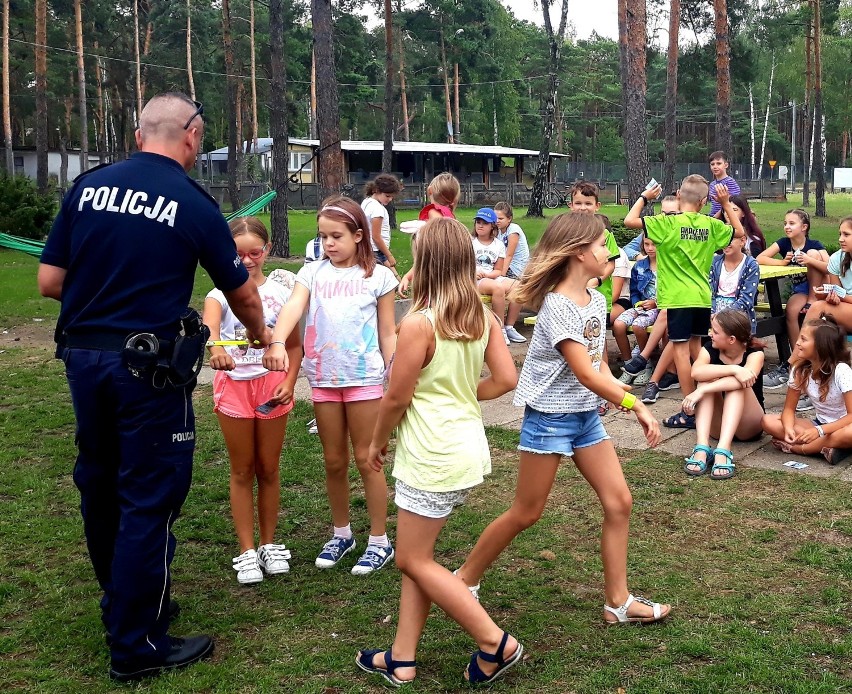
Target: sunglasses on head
{"x":199,"y":111}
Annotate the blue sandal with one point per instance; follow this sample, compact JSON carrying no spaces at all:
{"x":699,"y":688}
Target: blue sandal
{"x":701,"y":464}
{"x":364,"y":660}
{"x":727,"y":469}
{"x":474,"y":672}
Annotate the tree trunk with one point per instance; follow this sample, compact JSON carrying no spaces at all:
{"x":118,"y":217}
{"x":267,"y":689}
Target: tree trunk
{"x":402,"y":89}
{"x":189,"y":50}
{"x":313,"y":115}
{"x":100,"y":111}
{"x":445,"y":72}
{"x":631,"y":35}
{"x":387,"y":149}
{"x":138,"y":61}
{"x":41,"y":94}
{"x":671,"y":99}
{"x":9,"y":166}
{"x":234,"y":143}
{"x":253,"y":83}
{"x":329,"y":156}
{"x":819,"y":115}
{"x":555,"y":42}
{"x":723,"y":77}
{"x":64,"y":139}
{"x":456,"y":110}
{"x":278,"y":130}
{"x":751,"y":129}
{"x":81,"y":79}
{"x":766,"y":121}
{"x":806,"y":115}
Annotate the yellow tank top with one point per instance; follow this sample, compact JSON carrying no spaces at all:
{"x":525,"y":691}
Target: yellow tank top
{"x":441,"y":444}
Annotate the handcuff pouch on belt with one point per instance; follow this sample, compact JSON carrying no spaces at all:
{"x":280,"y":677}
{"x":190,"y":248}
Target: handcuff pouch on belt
{"x":168,"y":364}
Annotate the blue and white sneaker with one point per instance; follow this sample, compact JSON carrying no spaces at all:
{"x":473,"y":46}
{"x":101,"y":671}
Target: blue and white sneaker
{"x":373,"y":559}
{"x":333,"y":551}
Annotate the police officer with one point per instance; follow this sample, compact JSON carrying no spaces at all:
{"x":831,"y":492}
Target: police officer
{"x":121,"y":257}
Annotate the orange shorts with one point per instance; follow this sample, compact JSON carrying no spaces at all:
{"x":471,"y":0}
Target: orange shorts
{"x":240,"y":398}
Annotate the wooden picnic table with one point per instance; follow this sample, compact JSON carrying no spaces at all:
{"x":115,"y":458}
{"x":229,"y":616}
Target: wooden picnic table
{"x":776,"y":323}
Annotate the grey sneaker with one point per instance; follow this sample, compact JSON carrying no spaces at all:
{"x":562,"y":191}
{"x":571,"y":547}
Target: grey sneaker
{"x":643,"y":378}
{"x":652,"y":392}
{"x":669,"y":381}
{"x":777,"y":378}
{"x":514,"y":335}
{"x":804,"y":404}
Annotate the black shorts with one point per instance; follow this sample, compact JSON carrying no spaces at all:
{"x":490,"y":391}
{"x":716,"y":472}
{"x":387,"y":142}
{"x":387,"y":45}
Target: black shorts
{"x":688,"y":322}
{"x":624,"y":303}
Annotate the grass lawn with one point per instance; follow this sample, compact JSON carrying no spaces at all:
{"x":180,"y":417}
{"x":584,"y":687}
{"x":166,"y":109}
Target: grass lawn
{"x":759,"y":569}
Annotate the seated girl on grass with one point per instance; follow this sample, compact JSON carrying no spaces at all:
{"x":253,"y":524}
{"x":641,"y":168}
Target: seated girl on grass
{"x":821,"y":370}
{"x":728,"y":399}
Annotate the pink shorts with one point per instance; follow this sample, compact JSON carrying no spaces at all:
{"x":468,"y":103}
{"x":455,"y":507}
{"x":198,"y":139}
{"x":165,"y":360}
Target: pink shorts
{"x":240,"y":398}
{"x":350,"y":394}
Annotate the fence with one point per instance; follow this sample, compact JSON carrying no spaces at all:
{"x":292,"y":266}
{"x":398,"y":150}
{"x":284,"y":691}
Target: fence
{"x":305,"y":196}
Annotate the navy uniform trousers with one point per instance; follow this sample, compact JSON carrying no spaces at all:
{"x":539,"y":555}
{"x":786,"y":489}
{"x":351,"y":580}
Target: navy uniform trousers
{"x":134,"y":468}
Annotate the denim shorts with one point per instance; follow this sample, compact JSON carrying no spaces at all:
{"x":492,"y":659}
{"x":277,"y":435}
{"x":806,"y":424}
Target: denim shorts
{"x":547,"y":432}
{"x":427,"y":504}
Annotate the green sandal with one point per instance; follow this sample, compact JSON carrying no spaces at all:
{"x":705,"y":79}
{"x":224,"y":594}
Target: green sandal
{"x":701,"y":464}
{"x":727,"y":469}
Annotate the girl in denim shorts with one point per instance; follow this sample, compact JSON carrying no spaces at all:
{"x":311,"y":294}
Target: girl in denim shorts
{"x":563,"y":377}
{"x":441,"y":450}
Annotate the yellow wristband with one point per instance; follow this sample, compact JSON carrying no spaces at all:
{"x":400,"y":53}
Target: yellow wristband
{"x":628,"y":401}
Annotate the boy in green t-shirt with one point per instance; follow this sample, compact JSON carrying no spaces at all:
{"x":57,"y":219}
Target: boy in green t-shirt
{"x":584,"y":199}
{"x":686,"y":244}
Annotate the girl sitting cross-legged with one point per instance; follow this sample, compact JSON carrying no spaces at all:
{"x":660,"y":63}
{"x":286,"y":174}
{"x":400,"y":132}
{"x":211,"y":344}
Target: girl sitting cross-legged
{"x":821,"y":370}
{"x":728,"y":399}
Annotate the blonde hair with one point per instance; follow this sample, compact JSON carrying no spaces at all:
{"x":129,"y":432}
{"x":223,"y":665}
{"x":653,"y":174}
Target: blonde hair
{"x":444,"y":189}
{"x":694,"y":189}
{"x":445,"y":280}
{"x":566,"y":236}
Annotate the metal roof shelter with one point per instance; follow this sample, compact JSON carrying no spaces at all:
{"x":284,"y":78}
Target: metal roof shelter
{"x":418,"y":161}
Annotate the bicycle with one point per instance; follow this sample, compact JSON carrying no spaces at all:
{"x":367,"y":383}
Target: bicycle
{"x":554,"y":197}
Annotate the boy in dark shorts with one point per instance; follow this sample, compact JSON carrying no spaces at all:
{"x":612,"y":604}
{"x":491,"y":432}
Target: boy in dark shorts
{"x":686,"y":243}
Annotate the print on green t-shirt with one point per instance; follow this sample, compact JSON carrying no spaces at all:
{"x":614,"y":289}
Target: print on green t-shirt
{"x":606,"y":287}
{"x":686,"y":243}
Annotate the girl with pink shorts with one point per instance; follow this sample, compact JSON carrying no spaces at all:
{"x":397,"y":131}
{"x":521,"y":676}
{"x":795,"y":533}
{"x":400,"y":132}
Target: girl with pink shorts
{"x":350,"y":336}
{"x":252,"y":405}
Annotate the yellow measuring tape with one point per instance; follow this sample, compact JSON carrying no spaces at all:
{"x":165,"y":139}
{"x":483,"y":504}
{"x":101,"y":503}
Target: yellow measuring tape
{"x":229,"y":343}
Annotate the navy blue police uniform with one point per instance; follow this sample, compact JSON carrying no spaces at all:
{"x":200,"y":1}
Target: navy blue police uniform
{"x":130,"y":236}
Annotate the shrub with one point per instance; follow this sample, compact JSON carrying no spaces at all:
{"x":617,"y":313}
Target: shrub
{"x":23,"y":210}
{"x":622,"y":234}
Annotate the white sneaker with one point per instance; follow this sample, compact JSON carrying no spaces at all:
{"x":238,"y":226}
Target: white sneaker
{"x":513,"y":335}
{"x":272,"y":559}
{"x":312,"y":427}
{"x":247,"y":568}
{"x":506,"y":336}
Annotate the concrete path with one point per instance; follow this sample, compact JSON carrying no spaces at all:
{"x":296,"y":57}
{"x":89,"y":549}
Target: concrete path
{"x":627,"y":434}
